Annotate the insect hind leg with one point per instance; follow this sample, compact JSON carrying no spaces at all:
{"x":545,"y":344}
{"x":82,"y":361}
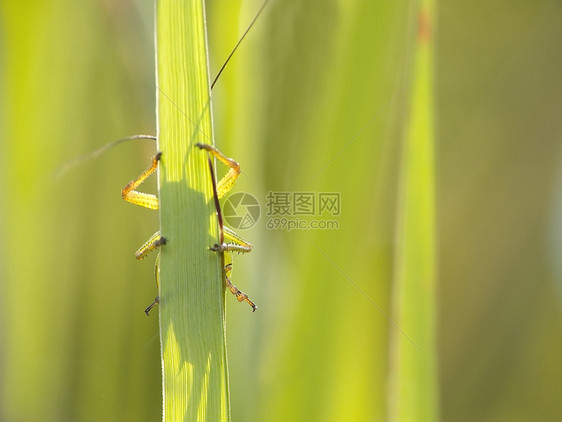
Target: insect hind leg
{"x":157,"y":279}
{"x":240,"y":295}
{"x":152,"y":305}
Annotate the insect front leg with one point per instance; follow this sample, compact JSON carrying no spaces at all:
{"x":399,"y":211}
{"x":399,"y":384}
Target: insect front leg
{"x":146,"y":200}
{"x":226,"y":183}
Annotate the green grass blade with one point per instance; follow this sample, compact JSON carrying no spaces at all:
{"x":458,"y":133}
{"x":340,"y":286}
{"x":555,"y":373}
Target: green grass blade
{"x":413,"y":393}
{"x":192,"y":311}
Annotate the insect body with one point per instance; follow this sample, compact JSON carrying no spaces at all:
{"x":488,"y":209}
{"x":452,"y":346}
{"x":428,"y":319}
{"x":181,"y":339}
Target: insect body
{"x":233,"y":243}
{"x":229,"y":240}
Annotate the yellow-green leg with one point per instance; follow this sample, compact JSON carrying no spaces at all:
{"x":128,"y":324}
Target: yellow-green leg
{"x":226,"y":183}
{"x":236,"y":244}
{"x":157,"y":279}
{"x":146,"y":200}
{"x":240,"y":295}
{"x":154,"y":242}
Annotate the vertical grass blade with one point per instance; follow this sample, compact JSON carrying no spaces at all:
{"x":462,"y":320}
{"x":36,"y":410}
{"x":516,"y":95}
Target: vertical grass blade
{"x":413,"y":392}
{"x":192,"y":309}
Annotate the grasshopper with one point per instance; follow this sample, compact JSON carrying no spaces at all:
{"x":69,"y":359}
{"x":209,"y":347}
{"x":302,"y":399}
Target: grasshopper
{"x":229,"y":240}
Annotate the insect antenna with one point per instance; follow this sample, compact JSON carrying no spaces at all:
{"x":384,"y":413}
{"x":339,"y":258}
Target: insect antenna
{"x":239,"y":42}
{"x":100,"y":151}
{"x":96,"y":153}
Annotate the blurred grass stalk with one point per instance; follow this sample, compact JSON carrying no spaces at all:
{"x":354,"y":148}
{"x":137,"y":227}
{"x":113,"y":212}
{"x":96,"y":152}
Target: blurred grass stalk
{"x":413,"y":391}
{"x":192,"y":311}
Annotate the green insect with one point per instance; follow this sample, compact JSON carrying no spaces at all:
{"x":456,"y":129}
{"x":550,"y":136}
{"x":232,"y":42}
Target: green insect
{"x":229,"y":240}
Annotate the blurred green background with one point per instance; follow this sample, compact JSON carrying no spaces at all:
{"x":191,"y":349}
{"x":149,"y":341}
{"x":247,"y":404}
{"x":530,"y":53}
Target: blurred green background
{"x":74,"y":342}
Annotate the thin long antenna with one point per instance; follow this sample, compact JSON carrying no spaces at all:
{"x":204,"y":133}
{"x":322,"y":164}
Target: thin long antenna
{"x":92,"y":155}
{"x":239,"y":42}
{"x":95,"y":154}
